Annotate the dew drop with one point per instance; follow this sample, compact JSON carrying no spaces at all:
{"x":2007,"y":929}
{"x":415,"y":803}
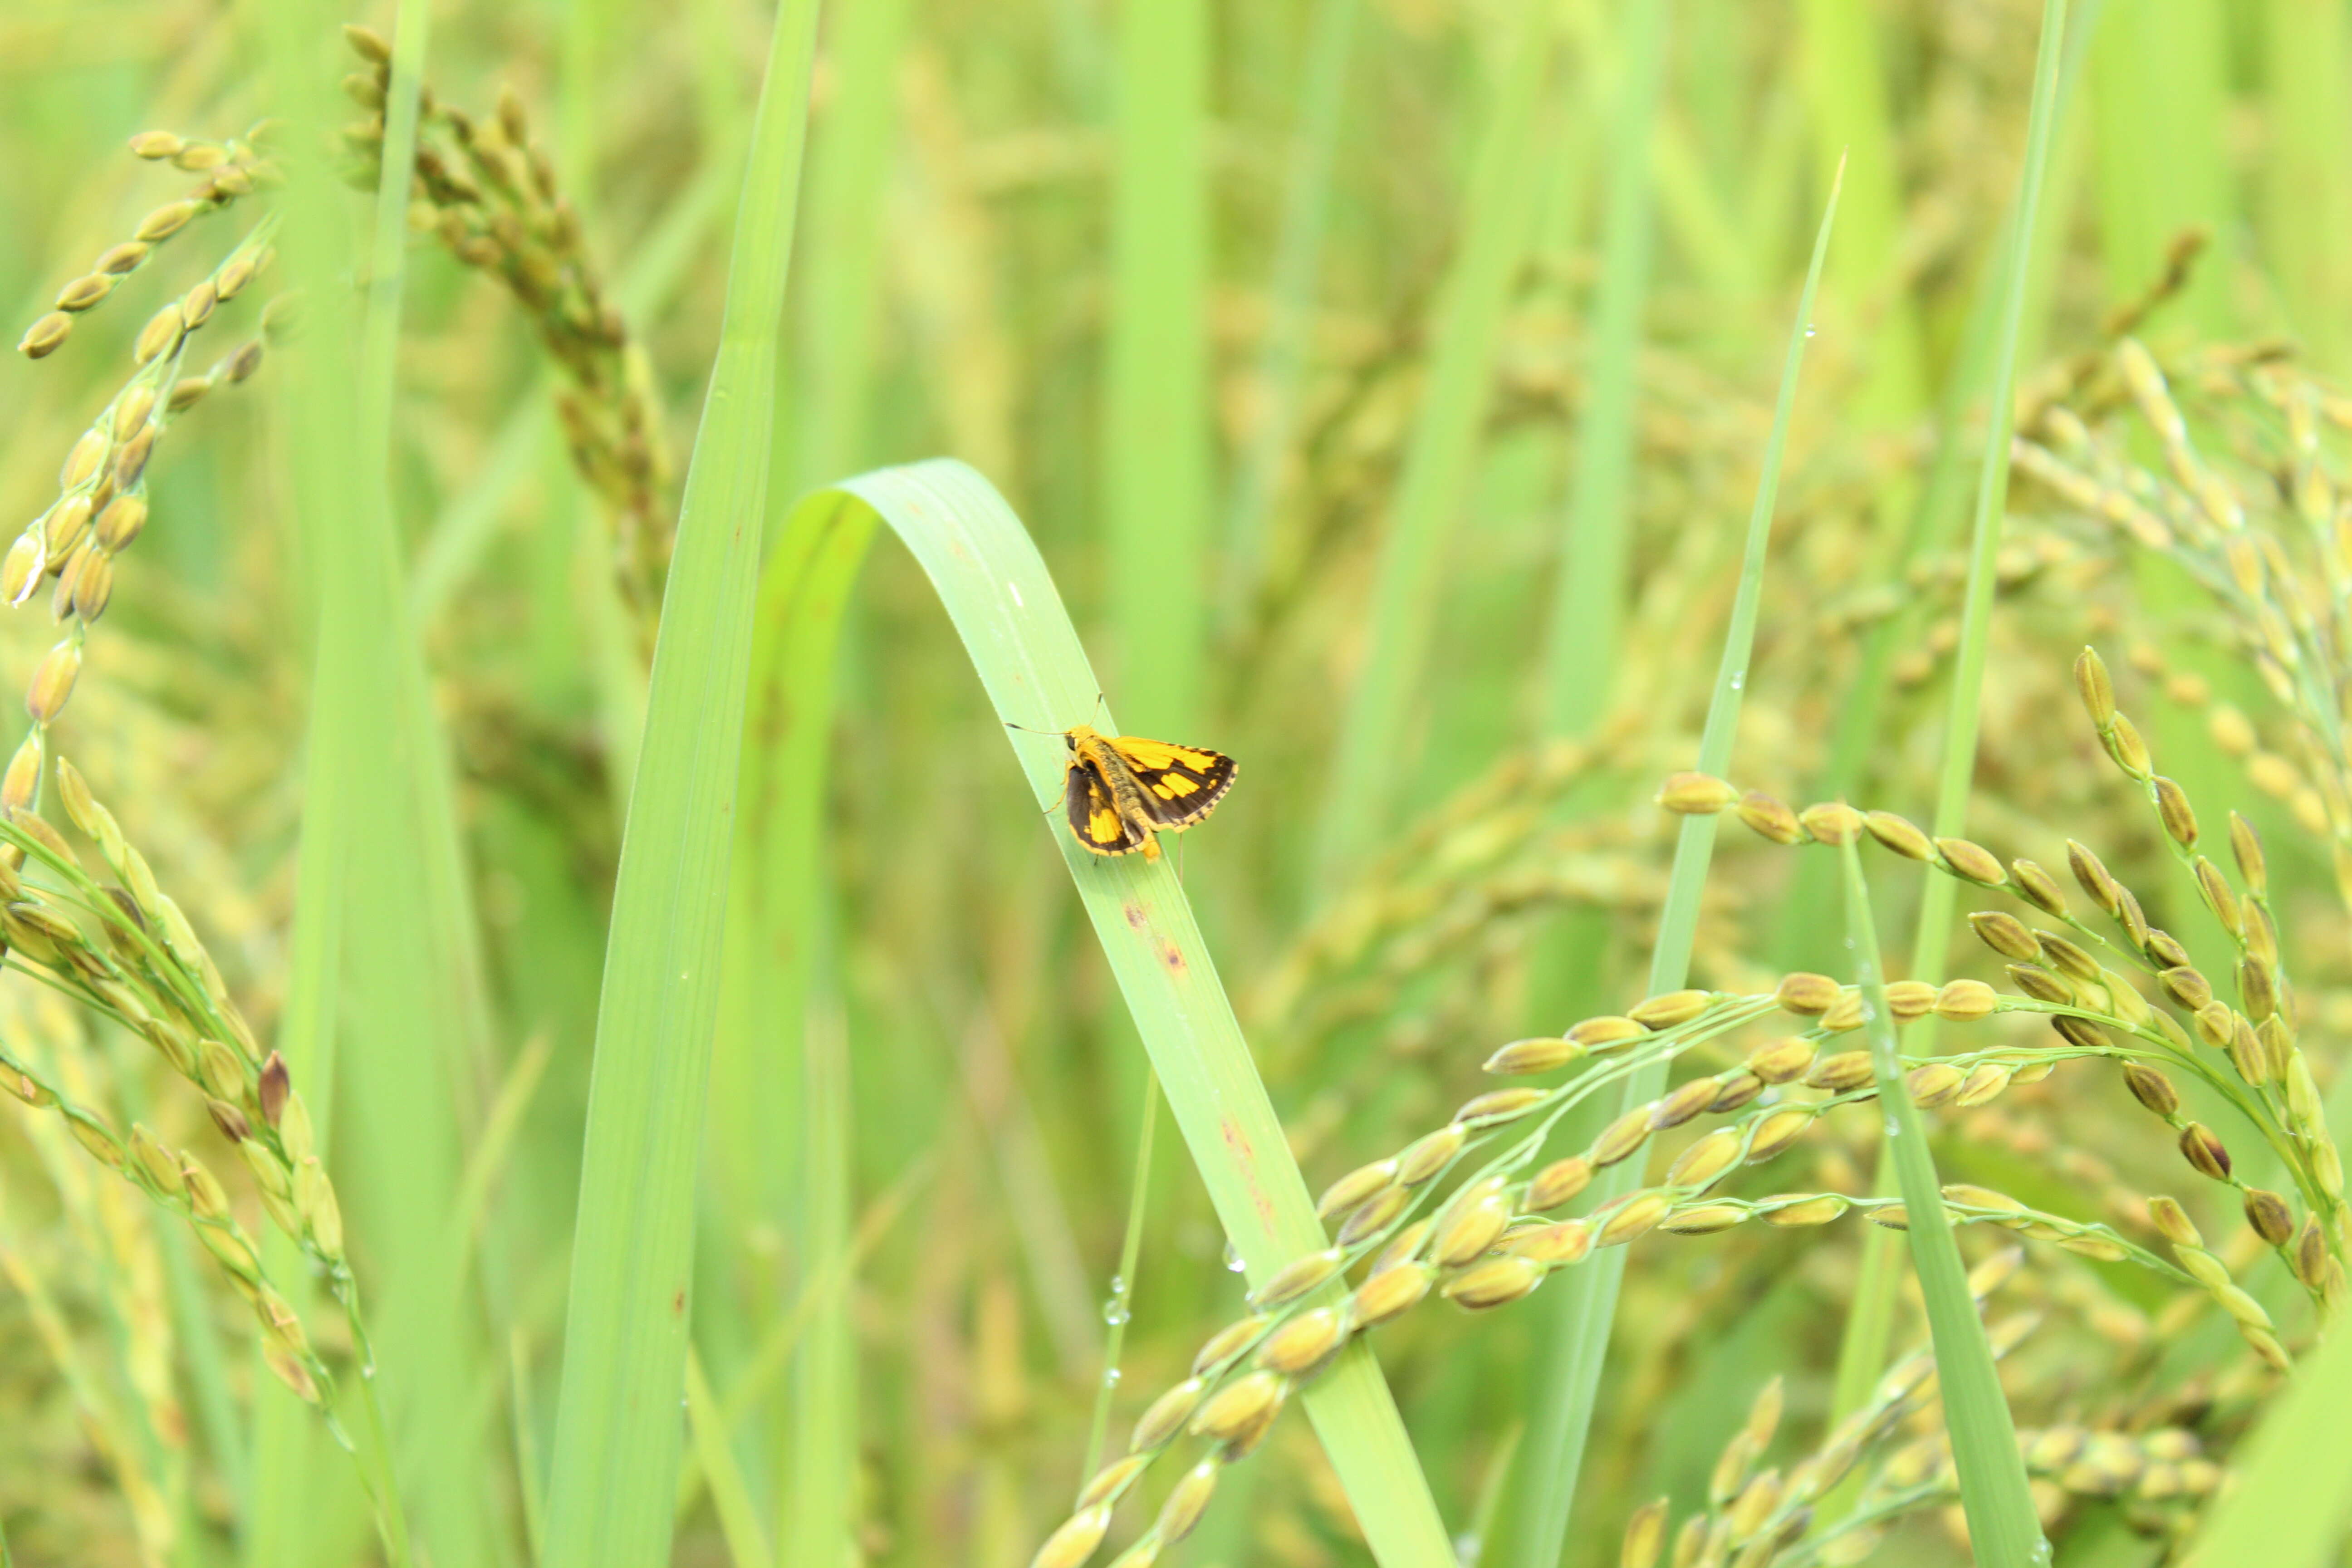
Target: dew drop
{"x":1110,"y":1377}
{"x":1234,"y":1264}
{"x":1809,"y":329}
{"x":1739,"y":681}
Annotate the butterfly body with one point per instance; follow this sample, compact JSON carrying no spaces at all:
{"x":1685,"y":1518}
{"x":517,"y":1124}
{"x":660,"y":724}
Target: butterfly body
{"x":1120,"y":792}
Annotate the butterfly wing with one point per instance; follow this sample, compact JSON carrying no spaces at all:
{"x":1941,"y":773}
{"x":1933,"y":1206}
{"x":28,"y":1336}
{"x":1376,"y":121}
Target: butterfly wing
{"x":1179,"y":784}
{"x":1093,"y":810}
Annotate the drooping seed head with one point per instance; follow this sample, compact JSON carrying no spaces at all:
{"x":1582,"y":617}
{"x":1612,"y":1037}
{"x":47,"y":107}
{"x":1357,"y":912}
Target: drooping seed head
{"x":1404,"y":1245}
{"x":1900,"y":835}
{"x":1389,"y":1293}
{"x":46,"y":335}
{"x":2310,"y":1254}
{"x":2129,"y":751}
{"x":1304,"y":1343}
{"x":2005,"y":934}
{"x":2215,"y":888}
{"x":2130,"y":916}
{"x":1831,"y":822}
{"x":1607,"y":1033}
{"x":1778,"y":1130}
{"x":1498,"y":1106}
{"x":1805,"y":994}
{"x":2246,"y":849}
{"x":1734,"y":1089}
{"x":1621,"y":1137}
{"x":1696,"y":794}
{"x":1187,"y":1500}
{"x":2039,"y":887}
{"x":1167,"y":1415}
{"x":2257,"y":993}
{"x":53,"y":682}
{"x":1933,"y":1083}
{"x":1671,"y":1010}
{"x":1242,"y":1405}
{"x":2172,"y":810}
{"x":1704,"y":1219}
{"x":1971,"y":862}
{"x":1354,"y":1187}
{"x":1683,"y":1102}
{"x":1112,"y":1480}
{"x":2039,"y":984}
{"x":1817,"y":1210}
{"x":2261,"y":936}
{"x":1542,"y":1055}
{"x":2152,"y":1089}
{"x":2067,"y":958}
{"x":85,"y":292}
{"x":2205,"y":1152}
{"x":2269,"y":1216}
{"x":1470,"y":1224}
{"x":1645,"y":1536}
{"x":1908,"y":999}
{"x":1965,"y":1001}
{"x":1782,"y":1060}
{"x":368,"y":44}
{"x":2186,"y":986}
{"x":1553,"y":1245}
{"x":1701,"y":1165}
{"x":1429,"y":1154}
{"x":1297,"y":1277}
{"x":1840,"y":1071}
{"x":1375,"y":1215}
{"x":2248,"y":1054}
{"x":2097,"y":687}
{"x":1075,"y":1541}
{"x":1497,"y":1282}
{"x":1559,"y":1181}
{"x":1769,"y":818}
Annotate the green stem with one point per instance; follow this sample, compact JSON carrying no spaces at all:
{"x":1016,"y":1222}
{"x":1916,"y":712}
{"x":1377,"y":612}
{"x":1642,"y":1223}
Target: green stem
{"x":1563,"y":1421}
{"x":1863,"y":1351}
{"x":2003,"y":1530}
{"x":1122,"y":1285}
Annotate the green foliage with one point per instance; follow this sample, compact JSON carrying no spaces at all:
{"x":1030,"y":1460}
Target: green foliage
{"x":723,"y":1137}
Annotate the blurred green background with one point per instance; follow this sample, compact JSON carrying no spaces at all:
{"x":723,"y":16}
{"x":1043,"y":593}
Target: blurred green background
{"x":1384,"y":382}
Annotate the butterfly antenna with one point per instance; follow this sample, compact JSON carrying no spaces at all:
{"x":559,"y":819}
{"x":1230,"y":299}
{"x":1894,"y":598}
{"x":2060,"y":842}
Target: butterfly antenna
{"x":1027,"y":730}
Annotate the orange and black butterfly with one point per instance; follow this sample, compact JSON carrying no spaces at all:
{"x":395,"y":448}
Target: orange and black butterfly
{"x":1121,"y":791}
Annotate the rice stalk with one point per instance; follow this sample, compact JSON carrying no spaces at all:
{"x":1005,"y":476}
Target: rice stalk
{"x":614,"y":1474}
{"x":1564,"y":1414}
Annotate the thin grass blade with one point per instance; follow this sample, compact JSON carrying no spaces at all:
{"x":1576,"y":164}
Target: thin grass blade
{"x":1863,"y":1352}
{"x":1562,"y":1416}
{"x":617,"y":1433}
{"x":2003,"y":1530}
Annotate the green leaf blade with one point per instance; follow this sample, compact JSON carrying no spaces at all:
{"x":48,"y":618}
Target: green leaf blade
{"x":618,"y":1432}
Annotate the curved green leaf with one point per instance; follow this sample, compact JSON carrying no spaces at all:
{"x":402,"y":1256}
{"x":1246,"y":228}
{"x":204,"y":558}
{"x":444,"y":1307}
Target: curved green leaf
{"x":1004,"y":607}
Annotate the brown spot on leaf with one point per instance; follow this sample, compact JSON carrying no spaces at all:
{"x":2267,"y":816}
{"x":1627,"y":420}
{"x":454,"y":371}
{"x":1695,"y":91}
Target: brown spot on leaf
{"x":1135,"y":916}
